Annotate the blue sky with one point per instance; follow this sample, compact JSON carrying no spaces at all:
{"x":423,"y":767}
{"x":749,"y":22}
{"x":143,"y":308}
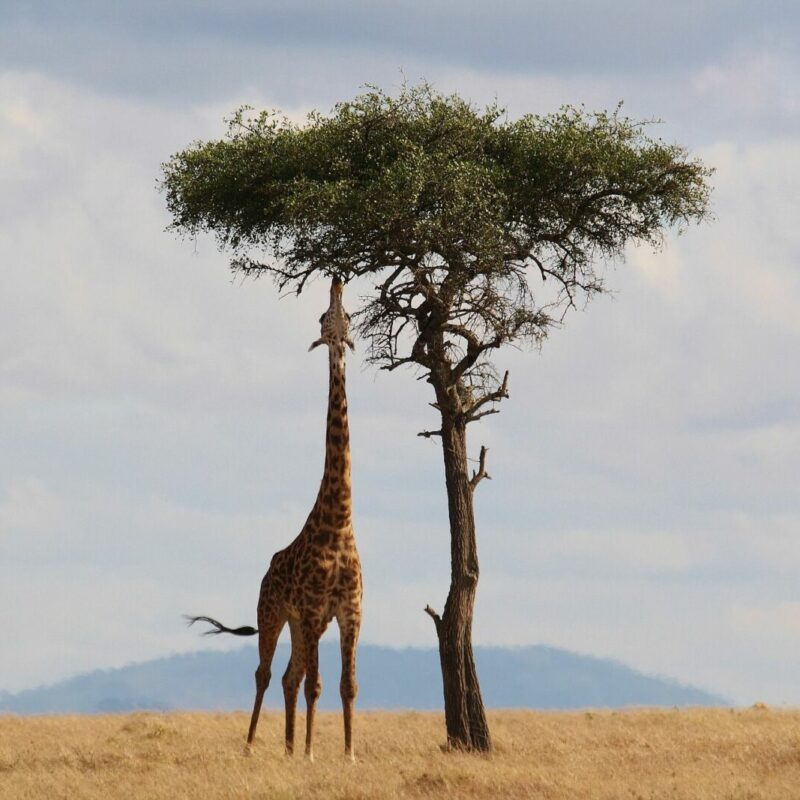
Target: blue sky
{"x":161,"y":426}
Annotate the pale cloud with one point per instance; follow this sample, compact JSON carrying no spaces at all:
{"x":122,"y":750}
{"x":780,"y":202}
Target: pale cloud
{"x":749,"y":85}
{"x":630,"y":551}
{"x":28,"y":512}
{"x":782,"y":619}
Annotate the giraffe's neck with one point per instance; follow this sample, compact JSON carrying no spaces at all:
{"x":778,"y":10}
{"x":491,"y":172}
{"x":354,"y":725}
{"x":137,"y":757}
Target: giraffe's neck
{"x":335,"y":491}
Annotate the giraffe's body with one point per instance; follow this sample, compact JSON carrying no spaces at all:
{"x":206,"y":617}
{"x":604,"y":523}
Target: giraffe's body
{"x":318,"y":576}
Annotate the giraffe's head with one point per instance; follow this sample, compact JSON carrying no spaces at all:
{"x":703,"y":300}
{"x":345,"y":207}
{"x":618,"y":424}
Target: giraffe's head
{"x":335,"y":322}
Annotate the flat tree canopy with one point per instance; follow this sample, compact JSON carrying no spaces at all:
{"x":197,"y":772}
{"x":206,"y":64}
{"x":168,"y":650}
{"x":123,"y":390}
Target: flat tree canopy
{"x":475,"y":230}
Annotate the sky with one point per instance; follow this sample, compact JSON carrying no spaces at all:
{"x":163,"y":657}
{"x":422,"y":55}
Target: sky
{"x":161,"y":424}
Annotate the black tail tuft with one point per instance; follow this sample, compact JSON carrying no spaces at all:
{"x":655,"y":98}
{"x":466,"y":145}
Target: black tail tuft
{"x":245,"y":630}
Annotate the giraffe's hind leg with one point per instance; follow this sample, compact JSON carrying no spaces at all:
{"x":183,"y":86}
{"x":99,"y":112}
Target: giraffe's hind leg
{"x":270,"y":625}
{"x":292,"y":679}
{"x":349,"y":625}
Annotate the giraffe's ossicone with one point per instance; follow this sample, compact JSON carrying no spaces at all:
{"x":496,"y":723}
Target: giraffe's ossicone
{"x":318,"y":576}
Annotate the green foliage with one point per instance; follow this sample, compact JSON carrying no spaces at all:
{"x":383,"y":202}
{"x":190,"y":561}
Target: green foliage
{"x":460,"y":211}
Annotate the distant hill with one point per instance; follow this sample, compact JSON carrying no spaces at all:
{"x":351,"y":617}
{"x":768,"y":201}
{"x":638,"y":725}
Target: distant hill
{"x":524,"y":677}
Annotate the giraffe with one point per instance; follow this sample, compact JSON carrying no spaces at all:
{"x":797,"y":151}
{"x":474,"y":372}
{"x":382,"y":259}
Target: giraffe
{"x":318,"y":576}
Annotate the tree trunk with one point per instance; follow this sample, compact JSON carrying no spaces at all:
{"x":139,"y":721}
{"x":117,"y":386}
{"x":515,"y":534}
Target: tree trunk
{"x":465,"y":717}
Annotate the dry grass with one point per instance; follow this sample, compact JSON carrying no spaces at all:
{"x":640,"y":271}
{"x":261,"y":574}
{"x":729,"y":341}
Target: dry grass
{"x":719,"y":753}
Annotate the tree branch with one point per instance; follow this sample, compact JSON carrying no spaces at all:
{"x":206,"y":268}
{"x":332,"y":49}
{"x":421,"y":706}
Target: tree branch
{"x":464,"y":333}
{"x":474,"y":352}
{"x":398,"y":362}
{"x":578,"y":214}
{"x":437,"y":620}
{"x":428,"y":434}
{"x":500,"y":393}
{"x":481,"y":473}
{"x":474,"y":417}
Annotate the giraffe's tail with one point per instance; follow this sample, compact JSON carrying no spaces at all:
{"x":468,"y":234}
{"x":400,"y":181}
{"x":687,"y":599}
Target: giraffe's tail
{"x":245,"y":630}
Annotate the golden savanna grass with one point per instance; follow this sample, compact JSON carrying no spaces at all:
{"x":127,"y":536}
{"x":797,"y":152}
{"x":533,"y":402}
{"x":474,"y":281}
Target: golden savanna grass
{"x":718,"y":753}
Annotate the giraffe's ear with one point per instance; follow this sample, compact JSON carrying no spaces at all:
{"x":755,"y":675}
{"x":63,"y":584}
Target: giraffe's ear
{"x":349,"y":343}
{"x":316,"y":344}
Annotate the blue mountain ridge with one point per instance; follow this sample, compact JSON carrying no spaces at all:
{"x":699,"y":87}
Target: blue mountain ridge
{"x":535,"y":676}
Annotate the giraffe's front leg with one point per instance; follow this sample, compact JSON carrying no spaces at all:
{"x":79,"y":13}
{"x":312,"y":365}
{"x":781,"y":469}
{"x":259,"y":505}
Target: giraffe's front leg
{"x":313,"y":685}
{"x":349,"y":625}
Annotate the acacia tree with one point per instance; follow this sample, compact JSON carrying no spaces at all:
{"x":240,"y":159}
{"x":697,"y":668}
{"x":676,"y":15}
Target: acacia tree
{"x":476,"y":231}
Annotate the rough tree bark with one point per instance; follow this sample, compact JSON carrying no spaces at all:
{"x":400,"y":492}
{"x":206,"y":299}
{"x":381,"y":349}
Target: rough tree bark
{"x":465,"y":717}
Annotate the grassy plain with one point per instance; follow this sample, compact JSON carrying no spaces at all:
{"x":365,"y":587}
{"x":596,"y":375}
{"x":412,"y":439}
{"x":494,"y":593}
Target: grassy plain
{"x":642,"y":754}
